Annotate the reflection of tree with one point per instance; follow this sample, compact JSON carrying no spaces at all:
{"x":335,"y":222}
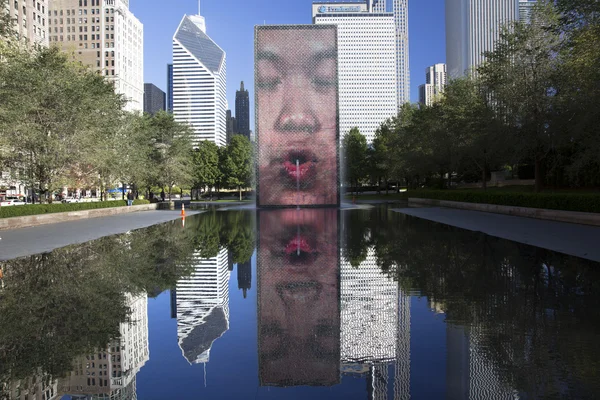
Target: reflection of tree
{"x":57,"y":306}
{"x":234,"y":230}
{"x":539,"y":310}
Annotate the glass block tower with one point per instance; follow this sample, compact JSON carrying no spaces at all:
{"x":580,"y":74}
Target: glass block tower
{"x":199,"y":81}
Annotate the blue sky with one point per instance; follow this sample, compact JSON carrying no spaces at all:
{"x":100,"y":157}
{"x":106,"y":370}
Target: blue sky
{"x":231,"y":23}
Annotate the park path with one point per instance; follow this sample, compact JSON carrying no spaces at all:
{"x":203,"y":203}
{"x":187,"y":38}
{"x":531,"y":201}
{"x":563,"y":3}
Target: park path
{"x":40,"y":239}
{"x":576,"y":240}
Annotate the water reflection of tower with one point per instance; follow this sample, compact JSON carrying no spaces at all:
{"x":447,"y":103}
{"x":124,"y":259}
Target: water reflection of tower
{"x":202,"y":306}
{"x":470,"y":373}
{"x":375,"y":335}
{"x":244,"y":276}
{"x":111,"y":372}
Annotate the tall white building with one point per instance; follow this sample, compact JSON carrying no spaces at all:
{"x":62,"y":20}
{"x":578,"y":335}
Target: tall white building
{"x":107,"y":37}
{"x":400,"y":11}
{"x":402,"y":51}
{"x":202,"y":306}
{"x":30,"y":19}
{"x":435,"y":80}
{"x":366,"y":64}
{"x":472,"y":28}
{"x":199,"y":81}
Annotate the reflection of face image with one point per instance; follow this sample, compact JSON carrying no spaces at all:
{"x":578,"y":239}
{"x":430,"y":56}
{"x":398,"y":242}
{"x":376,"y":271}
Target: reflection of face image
{"x":299,"y":325}
{"x":296,"y":92}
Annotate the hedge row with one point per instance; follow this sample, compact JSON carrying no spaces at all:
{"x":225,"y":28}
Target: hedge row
{"x":36,"y":209}
{"x":587,"y":202}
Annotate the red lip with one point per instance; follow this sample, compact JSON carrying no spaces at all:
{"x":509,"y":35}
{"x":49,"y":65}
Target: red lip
{"x":298,"y":244}
{"x":299,"y":164}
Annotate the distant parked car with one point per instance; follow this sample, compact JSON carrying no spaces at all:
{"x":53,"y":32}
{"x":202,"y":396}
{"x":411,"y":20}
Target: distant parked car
{"x":12,"y":201}
{"x":70,"y":200}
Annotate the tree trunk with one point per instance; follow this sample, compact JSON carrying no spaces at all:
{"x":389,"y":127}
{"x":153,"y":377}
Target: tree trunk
{"x":240,"y":189}
{"x":538,"y":174}
{"x":387,"y":187}
{"x":483,"y":179}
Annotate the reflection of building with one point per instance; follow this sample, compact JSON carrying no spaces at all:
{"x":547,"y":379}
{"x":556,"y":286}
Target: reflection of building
{"x":369,"y":313}
{"x":470,"y":373}
{"x":38,"y":387}
{"x":111,"y":373}
{"x":31,"y":20}
{"x":472,"y":28}
{"x":244,"y":276}
{"x":108,"y":38}
{"x":366,"y":66}
{"x":199,"y":81}
{"x":202,"y":307}
{"x":375,"y":335}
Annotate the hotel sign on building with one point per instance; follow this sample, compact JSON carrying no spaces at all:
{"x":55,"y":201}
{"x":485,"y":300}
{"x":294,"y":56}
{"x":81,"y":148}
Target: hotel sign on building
{"x":338,"y":8}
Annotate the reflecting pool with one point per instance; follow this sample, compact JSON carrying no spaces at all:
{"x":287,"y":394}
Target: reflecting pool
{"x":300,"y":304}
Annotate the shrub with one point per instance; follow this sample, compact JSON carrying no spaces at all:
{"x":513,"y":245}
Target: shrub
{"x":36,"y":209}
{"x":587,"y":202}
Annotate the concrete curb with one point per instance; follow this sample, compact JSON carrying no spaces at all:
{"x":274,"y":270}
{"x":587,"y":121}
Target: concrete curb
{"x":43,"y":219}
{"x":573,"y":217}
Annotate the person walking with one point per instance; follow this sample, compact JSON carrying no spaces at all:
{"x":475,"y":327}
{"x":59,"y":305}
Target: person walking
{"x":130,"y":199}
{"x":162,"y":195}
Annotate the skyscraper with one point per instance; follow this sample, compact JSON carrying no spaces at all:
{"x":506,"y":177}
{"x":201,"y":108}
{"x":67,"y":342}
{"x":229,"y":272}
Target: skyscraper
{"x":242,"y":111}
{"x":170,"y":87}
{"x":199,"y":81}
{"x":402,"y":50}
{"x":366,"y":67}
{"x":231,"y":125}
{"x":473,"y":27}
{"x":154,"y":99}
{"x":400,"y":10}
{"x":31,"y":19}
{"x":105,"y":36}
{"x":435,"y":80}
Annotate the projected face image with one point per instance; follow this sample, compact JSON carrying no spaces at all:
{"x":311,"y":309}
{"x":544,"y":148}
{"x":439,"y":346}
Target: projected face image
{"x":296,"y":89}
{"x":299,"y":323}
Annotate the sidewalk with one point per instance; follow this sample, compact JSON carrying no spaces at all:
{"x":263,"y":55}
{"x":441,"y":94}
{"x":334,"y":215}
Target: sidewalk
{"x":40,"y":239}
{"x":576,"y":240}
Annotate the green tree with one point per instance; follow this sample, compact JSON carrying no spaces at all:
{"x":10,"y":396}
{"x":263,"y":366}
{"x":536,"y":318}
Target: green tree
{"x":206,"y":165}
{"x":49,"y":107}
{"x":172,"y":151}
{"x":238,"y":163}
{"x":354,"y":150}
{"x":5,"y":20}
{"x":520,"y":74}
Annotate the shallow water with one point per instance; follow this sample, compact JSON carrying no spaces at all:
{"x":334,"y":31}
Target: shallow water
{"x":296,"y":304}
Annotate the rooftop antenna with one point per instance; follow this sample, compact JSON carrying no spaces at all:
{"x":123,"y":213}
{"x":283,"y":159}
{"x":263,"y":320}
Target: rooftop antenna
{"x":199,"y":8}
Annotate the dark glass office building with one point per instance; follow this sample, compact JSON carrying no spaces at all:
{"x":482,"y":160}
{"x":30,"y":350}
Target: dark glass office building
{"x":170,"y":88}
{"x":242,"y":111}
{"x":154,"y":99}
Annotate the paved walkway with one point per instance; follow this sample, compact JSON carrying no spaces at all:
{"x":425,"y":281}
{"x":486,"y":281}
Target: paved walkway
{"x":40,"y":239}
{"x":572,"y":239}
